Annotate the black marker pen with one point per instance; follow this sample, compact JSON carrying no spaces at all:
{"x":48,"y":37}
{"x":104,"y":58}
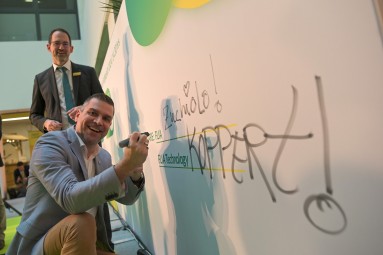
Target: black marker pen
{"x":125,"y":143}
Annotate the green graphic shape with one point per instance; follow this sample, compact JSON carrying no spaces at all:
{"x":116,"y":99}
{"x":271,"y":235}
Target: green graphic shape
{"x":147,"y":19}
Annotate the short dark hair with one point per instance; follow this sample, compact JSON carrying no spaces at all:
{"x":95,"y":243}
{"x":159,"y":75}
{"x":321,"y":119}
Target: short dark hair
{"x":60,"y":30}
{"x":20,"y":163}
{"x":102,"y":97}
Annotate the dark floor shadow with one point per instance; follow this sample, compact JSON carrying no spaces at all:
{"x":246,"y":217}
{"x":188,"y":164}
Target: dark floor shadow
{"x":134,"y":125}
{"x":192,"y":194}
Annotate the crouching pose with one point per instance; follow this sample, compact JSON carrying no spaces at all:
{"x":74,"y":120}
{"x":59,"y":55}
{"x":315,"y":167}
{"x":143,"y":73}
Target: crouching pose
{"x":70,"y":179}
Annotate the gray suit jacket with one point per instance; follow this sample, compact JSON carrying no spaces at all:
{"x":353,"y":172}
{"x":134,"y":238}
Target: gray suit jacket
{"x":57,"y":187}
{"x":45,"y":96}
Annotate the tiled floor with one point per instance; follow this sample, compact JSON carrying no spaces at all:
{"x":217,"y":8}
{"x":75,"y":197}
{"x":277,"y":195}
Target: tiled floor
{"x":124,"y":240}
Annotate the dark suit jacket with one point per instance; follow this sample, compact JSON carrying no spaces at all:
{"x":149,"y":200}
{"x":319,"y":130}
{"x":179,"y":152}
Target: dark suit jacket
{"x":45,"y":97}
{"x":17,"y":173}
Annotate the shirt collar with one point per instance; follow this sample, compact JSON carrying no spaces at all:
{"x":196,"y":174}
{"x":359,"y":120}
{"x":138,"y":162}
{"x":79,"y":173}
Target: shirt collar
{"x":85,"y":149}
{"x":68,"y":66}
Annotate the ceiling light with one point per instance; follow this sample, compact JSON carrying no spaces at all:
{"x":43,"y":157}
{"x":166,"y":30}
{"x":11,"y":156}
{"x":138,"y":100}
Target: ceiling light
{"x":13,"y":119}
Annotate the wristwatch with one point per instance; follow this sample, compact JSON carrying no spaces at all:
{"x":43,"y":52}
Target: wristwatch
{"x":140,"y":182}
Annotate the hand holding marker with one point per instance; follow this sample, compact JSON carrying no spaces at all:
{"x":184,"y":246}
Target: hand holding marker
{"x":125,"y":143}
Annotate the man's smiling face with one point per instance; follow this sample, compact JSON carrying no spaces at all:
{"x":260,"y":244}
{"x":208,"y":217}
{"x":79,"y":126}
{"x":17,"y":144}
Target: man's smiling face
{"x":93,"y":121}
{"x":60,"y":48}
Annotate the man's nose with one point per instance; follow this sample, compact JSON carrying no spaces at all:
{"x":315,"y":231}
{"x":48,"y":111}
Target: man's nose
{"x":99,"y":120}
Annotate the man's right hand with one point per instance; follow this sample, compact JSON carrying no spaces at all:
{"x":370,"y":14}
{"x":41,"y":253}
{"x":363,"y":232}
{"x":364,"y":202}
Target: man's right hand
{"x":133,"y":158}
{"x":52,"y":125}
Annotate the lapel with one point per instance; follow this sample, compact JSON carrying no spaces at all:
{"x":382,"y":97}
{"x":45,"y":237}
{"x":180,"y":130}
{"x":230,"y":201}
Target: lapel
{"x":75,"y":147}
{"x":98,"y":164}
{"x":76,"y":81}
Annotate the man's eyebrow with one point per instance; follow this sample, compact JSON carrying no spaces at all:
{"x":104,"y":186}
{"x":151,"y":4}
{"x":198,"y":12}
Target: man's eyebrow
{"x":109,"y":116}
{"x":98,"y":112}
{"x":59,"y":41}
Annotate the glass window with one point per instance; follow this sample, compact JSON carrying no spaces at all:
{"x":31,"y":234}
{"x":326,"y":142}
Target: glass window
{"x":57,"y":4}
{"x":66,"y":21}
{"x":32,"y":20}
{"x":18,"y":27}
{"x":15,"y":4}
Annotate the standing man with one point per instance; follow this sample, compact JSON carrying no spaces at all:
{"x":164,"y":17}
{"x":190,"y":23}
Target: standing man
{"x":65,"y":85}
{"x":70,"y":178}
{"x":20,"y":175}
{"x":3,"y":216}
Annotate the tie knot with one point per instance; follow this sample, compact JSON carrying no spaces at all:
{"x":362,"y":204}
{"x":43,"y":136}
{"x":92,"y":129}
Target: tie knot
{"x":62,"y":68}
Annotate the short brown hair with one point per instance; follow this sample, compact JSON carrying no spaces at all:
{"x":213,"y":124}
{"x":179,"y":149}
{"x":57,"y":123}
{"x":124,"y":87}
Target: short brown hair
{"x":100,"y":96}
{"x":60,"y":30}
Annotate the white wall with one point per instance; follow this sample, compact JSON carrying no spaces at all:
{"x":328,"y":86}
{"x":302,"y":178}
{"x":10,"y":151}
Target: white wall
{"x":261,"y":61}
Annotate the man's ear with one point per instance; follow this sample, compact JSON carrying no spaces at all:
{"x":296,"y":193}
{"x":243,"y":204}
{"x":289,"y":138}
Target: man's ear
{"x":78,"y":112}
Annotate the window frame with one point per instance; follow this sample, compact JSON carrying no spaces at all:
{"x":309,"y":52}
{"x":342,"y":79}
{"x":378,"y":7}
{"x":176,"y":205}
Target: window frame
{"x":36,"y":11}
